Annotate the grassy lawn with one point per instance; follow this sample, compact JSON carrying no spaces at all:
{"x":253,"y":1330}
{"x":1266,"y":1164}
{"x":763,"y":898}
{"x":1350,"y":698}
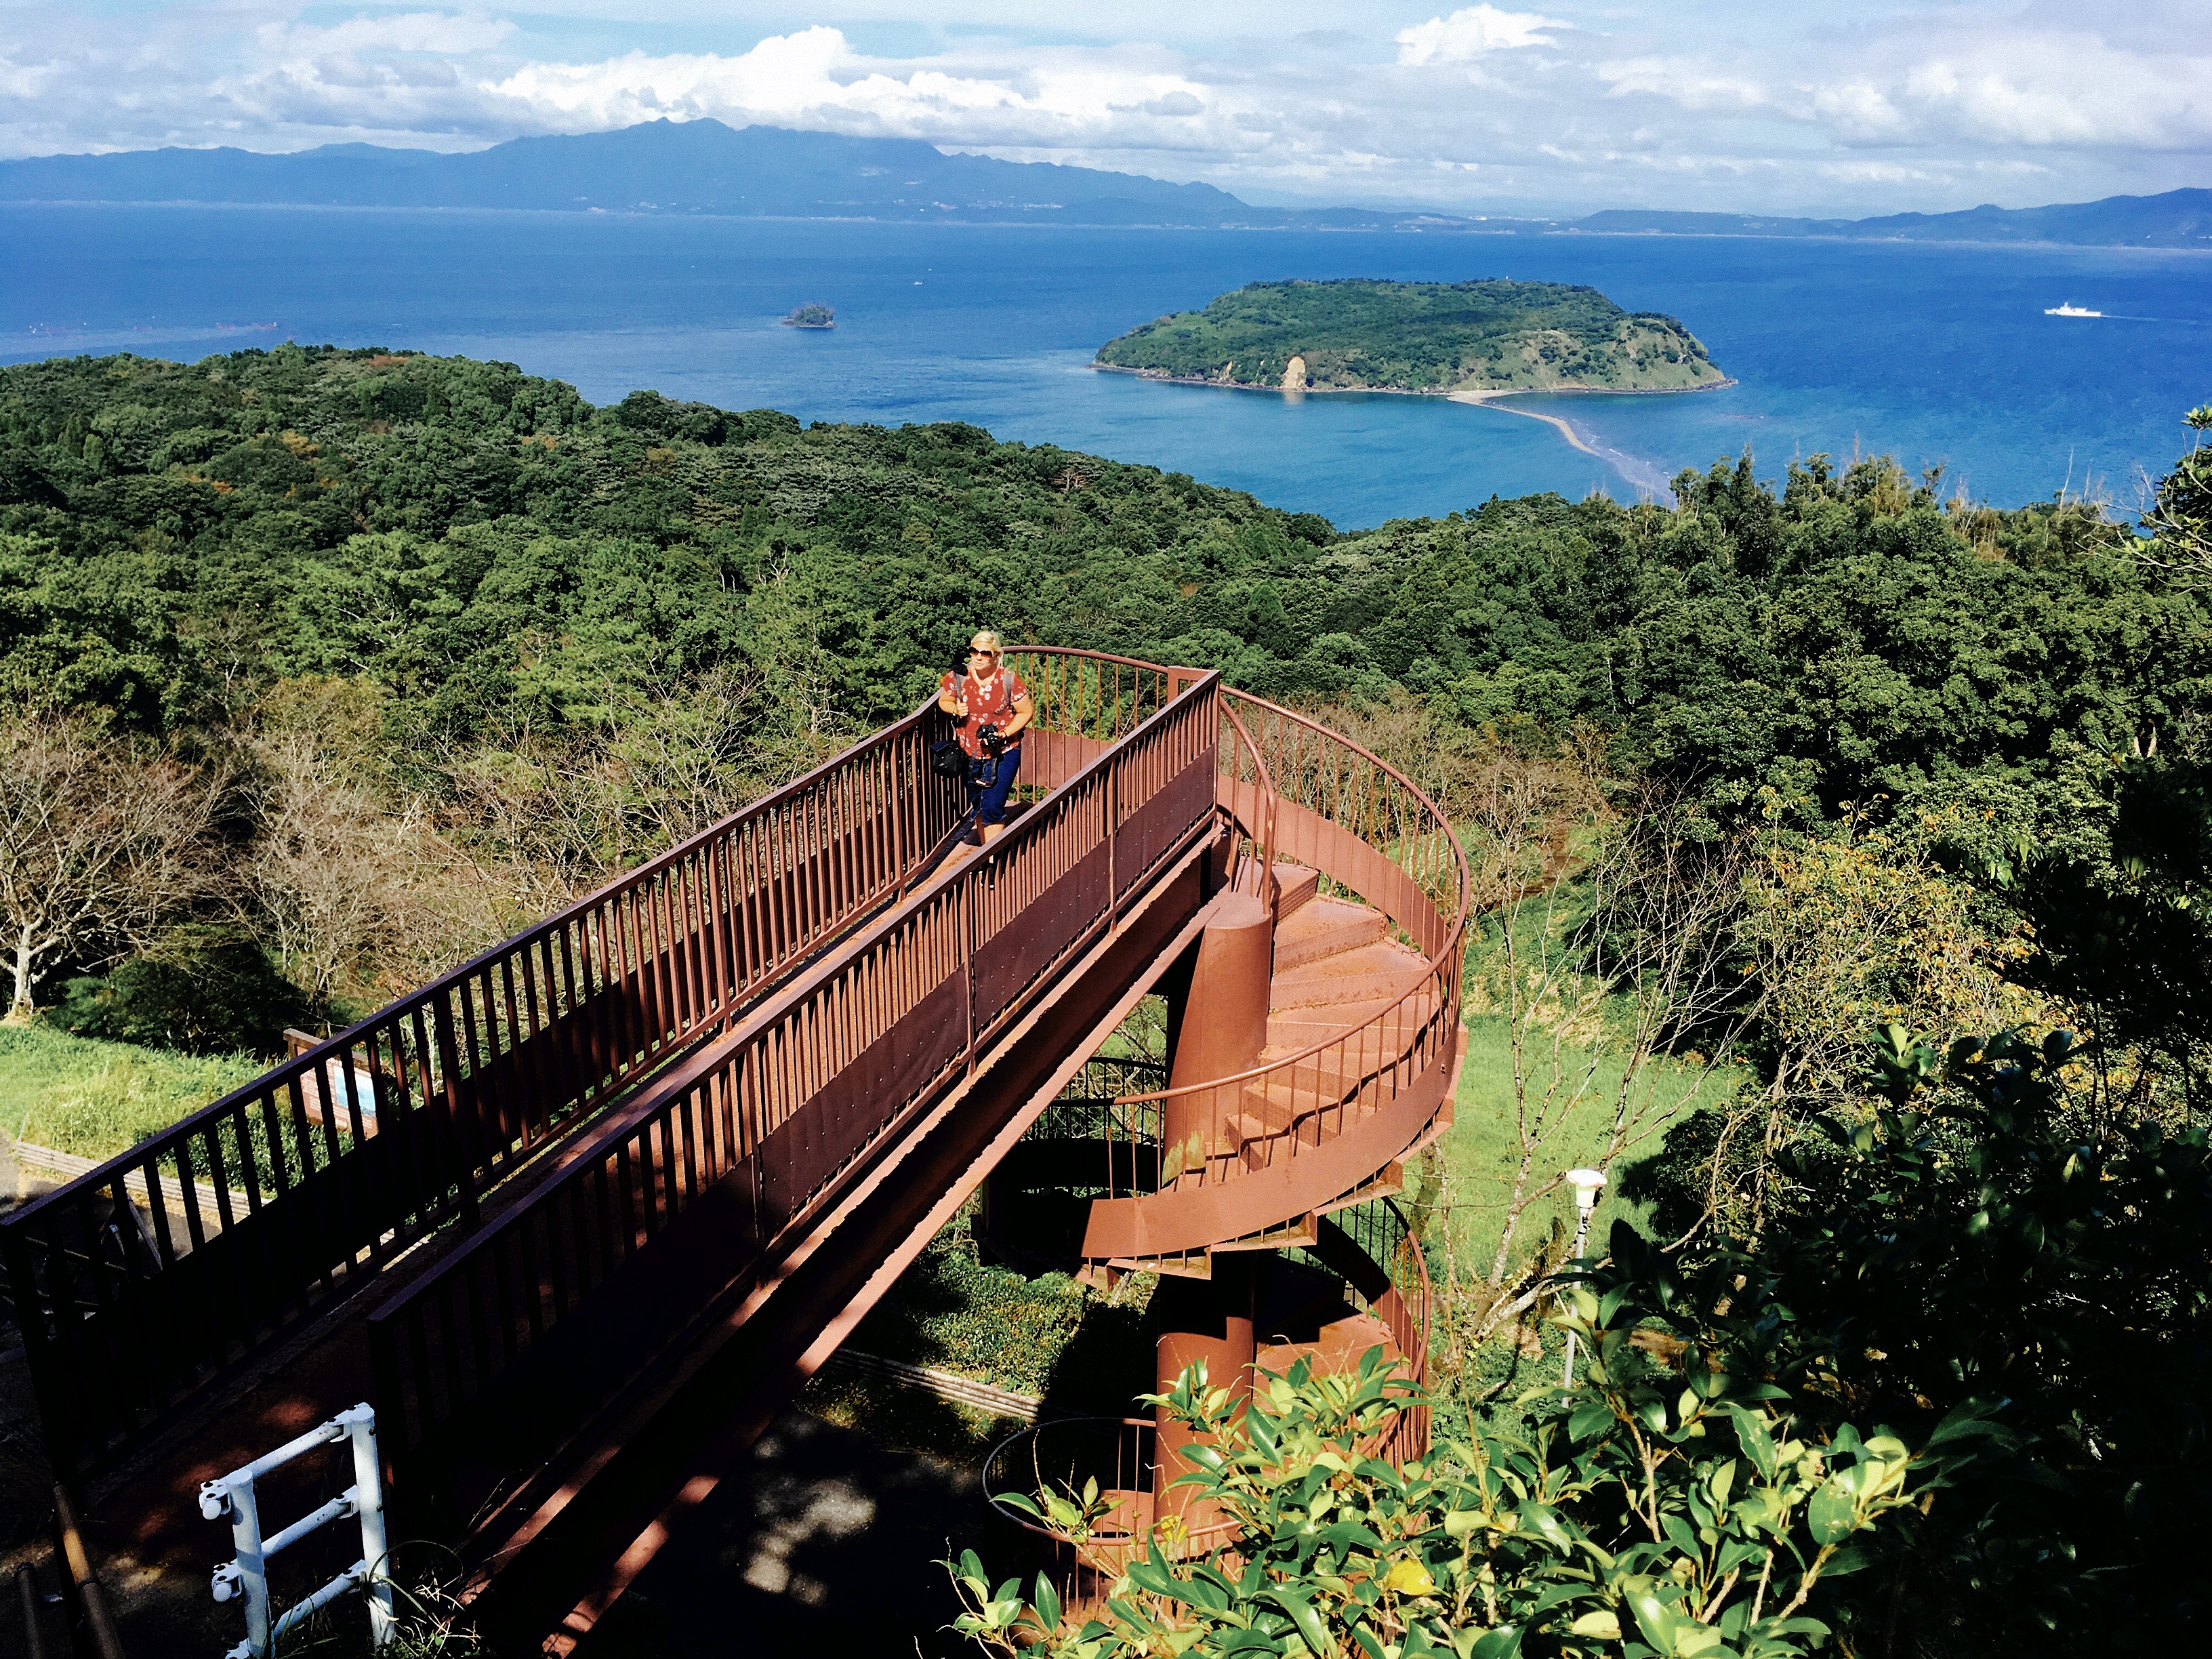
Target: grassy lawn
{"x":1477,"y":1154}
{"x":96,"y":1099}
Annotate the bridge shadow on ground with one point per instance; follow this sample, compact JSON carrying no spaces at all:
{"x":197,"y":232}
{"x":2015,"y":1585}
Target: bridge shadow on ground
{"x":823,"y":1541}
{"x":826,"y":1539}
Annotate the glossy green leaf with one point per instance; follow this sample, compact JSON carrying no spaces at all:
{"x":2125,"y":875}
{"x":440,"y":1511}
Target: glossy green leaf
{"x":1831,"y":1516}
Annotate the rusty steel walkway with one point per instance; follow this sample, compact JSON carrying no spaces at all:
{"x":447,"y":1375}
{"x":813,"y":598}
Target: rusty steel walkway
{"x":580,"y":1215}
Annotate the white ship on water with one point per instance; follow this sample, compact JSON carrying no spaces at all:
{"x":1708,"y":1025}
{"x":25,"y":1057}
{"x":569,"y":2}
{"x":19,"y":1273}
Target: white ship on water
{"x":2070,"y":309}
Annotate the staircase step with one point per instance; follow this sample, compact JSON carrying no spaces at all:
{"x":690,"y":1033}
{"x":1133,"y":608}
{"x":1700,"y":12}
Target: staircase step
{"x":1341,"y":1346}
{"x":1248,"y":1132}
{"x":1284,"y":1101}
{"x":1323,"y":928}
{"x":1387,"y":1182}
{"x":1380,"y":969}
{"x":1193,"y":1264}
{"x":1300,"y":1231}
{"x":1290,"y":1030}
{"x":1295,"y":886}
{"x":1333,"y":1073}
{"x":1246,"y":1128}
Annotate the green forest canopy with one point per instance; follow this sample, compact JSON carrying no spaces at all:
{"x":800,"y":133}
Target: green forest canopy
{"x":345,"y":584}
{"x":481,"y":547}
{"x":1356,"y":333}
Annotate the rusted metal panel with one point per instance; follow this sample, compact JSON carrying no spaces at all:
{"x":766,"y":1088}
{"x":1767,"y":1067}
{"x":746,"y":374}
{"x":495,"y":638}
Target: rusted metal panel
{"x":1051,"y":759}
{"x":845,"y":1115}
{"x":1046,"y":927}
{"x":1306,"y":837}
{"x":1163,"y":819}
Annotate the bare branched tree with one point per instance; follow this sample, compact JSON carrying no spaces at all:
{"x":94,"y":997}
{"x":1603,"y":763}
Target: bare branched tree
{"x":548,"y":816}
{"x":102,"y":840}
{"x":1596,"y":978}
{"x":1843,"y":934}
{"x":342,"y":886}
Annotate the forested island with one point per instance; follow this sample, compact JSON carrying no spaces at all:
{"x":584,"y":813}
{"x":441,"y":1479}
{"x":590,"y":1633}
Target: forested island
{"x":1355,"y":334}
{"x":321,"y":669}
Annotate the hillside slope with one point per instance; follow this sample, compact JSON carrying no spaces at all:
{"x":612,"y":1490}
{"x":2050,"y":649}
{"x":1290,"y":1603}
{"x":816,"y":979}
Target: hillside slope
{"x":505,"y":578}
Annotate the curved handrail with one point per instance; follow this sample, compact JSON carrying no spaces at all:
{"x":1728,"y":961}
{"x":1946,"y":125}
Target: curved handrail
{"x":1177,"y":680}
{"x":1442,"y":965}
{"x":1269,"y":887}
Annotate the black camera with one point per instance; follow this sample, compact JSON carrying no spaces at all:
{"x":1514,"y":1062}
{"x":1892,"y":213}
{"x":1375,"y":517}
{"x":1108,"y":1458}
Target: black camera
{"x":993,"y":739}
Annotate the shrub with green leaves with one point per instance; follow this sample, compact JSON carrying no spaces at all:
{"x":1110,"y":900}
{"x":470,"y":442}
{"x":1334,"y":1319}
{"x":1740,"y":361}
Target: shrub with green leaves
{"x":1672,"y":1503}
{"x":202,"y":990}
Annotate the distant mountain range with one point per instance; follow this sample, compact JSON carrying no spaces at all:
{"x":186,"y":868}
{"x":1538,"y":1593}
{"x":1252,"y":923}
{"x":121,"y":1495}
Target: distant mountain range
{"x":660,"y":167}
{"x":2180,"y":218}
{"x":705,"y":166}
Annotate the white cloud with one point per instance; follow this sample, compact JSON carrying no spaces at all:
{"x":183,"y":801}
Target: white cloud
{"x":1689,"y":83}
{"x":1960,"y":81}
{"x":1468,"y":33}
{"x":1741,"y":104}
{"x":814,"y":78}
{"x":1860,"y":112}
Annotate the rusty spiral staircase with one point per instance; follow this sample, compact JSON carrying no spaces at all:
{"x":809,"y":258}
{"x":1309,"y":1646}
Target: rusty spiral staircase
{"x":580,"y":1215}
{"x":1312,"y":1048}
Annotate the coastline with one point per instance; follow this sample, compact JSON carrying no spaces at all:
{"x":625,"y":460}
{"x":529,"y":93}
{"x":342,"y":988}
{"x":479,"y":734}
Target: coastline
{"x":1565,"y":429}
{"x":1458,"y":394}
{"x":1478,"y":397}
{"x":1559,"y":423}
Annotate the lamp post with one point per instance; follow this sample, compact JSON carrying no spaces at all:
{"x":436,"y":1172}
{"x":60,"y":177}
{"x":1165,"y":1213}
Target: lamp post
{"x":1586,"y":1184}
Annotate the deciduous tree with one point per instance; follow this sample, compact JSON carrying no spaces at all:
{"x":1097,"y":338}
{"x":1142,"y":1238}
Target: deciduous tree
{"x":102,"y":840}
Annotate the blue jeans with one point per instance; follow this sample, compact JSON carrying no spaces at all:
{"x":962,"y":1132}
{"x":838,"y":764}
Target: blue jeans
{"x":990,"y":781}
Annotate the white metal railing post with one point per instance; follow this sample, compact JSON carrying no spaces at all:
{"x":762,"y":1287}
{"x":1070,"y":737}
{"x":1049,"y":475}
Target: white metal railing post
{"x":232,"y":1498}
{"x":246,"y":1574}
{"x":368,"y":1484}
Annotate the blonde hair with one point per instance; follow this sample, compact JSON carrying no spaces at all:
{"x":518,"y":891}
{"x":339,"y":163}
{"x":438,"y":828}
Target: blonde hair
{"x":986,"y":638}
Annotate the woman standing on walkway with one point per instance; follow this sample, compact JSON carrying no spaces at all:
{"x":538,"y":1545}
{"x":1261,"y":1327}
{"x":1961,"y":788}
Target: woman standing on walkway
{"x":988,"y":699}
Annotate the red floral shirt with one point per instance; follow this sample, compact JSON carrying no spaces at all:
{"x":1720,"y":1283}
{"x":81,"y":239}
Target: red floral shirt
{"x":991,"y":705}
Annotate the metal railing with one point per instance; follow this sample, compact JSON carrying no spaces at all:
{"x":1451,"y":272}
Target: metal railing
{"x":263,"y":1207}
{"x":1332,"y":804}
{"x":1090,"y":1108}
{"x":741,"y":1144}
{"x":1121,"y":1454}
{"x":1394,"y":1287}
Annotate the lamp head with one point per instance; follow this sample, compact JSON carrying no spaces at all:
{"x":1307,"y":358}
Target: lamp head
{"x":1585,"y":1183}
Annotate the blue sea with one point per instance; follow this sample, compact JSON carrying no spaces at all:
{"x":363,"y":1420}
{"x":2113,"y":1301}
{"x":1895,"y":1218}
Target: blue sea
{"x":1934,"y":354}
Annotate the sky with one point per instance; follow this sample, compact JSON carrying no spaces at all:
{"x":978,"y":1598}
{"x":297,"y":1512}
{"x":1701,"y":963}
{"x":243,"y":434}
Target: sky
{"x":1758,"y":106}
